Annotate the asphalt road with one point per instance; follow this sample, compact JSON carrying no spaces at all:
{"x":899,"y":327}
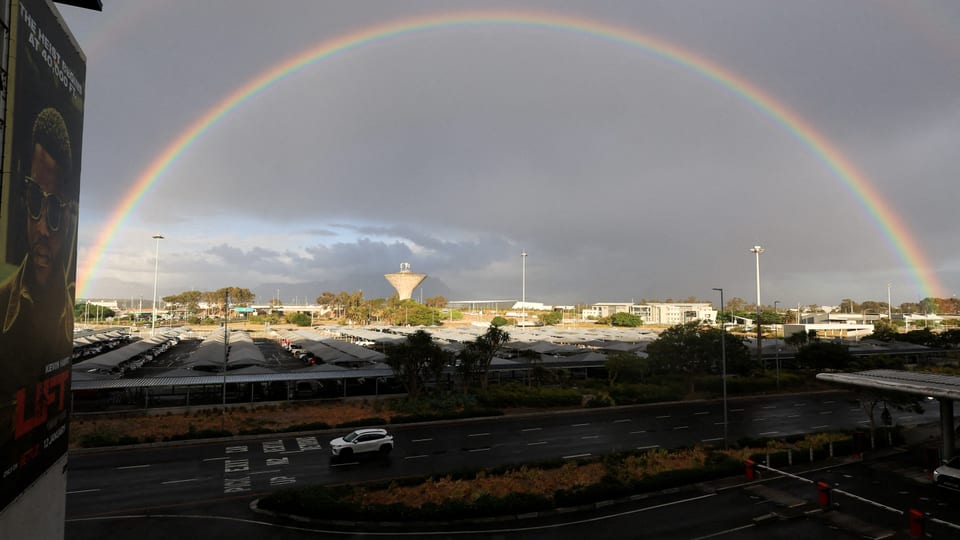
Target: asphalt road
{"x":216,"y":481}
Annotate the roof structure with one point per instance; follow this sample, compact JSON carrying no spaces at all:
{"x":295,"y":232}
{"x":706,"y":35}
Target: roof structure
{"x":943,"y":387}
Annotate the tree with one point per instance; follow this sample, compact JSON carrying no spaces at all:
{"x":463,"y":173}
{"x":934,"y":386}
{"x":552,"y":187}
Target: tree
{"x":299,"y":319}
{"x":550,"y":318}
{"x":736,"y":304}
{"x":435,"y":301}
{"x":626,"y":319}
{"x":415,"y":359}
{"x":884,"y":330}
{"x":694,"y":349}
{"x":625,"y":365}
{"x":499,"y":321}
{"x":824,"y":355}
{"x":476,"y":357}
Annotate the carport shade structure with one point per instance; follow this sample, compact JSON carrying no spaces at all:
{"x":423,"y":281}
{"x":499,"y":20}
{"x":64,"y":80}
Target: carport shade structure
{"x":944,"y":388}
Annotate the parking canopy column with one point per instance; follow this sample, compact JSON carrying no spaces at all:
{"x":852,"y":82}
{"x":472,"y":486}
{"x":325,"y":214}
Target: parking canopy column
{"x":946,"y":428}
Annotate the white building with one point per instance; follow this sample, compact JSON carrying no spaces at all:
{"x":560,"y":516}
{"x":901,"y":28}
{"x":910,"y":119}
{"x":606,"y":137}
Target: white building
{"x":656,"y":312}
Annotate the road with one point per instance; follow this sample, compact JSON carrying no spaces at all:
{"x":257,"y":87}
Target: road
{"x":220,"y":478}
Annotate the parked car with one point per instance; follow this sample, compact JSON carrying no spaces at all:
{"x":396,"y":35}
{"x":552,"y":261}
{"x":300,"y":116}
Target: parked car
{"x":362,"y":441}
{"x":948,"y":474}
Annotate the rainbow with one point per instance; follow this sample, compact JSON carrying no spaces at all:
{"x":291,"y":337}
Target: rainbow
{"x":893,"y":228}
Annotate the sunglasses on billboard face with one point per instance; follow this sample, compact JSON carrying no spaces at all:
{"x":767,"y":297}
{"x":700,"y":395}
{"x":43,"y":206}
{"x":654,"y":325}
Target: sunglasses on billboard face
{"x":38,"y":200}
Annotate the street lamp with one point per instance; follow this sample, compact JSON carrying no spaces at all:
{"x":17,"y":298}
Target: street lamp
{"x":523,"y":289}
{"x":156,"y":266}
{"x":777,"y":313}
{"x":723,"y":366}
{"x":889,"y":313}
{"x":758,"y":250}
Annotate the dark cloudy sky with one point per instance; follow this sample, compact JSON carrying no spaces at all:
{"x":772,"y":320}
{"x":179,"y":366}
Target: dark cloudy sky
{"x":622,"y":175}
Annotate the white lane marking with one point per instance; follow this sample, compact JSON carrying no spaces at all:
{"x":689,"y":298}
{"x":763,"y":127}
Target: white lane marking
{"x":662,"y":416}
{"x":769,"y":407}
{"x":478,"y":435}
{"x":538,"y":443}
{"x":132,"y":467}
{"x":168,"y":482}
{"x":829,"y":402}
{"x":793,"y":416}
{"x":479,"y":450}
{"x":421,"y":456}
{"x":422,"y":440}
{"x":650,"y":447}
{"x":217,"y":458}
{"x":580,"y":425}
{"x":711,"y":440}
{"x":531,"y":429}
{"x":575,"y":456}
{"x":343,"y":464}
{"x":701,"y":413}
{"x":826,"y":412}
{"x":265,"y":472}
{"x":820,"y":427}
{"x":718,"y":423}
{"x":83,"y":491}
{"x":736,"y":410}
{"x":622,"y":420}
{"x":589,"y":437}
{"x":636,"y":432}
{"x":765,"y":433}
{"x":680,"y":427}
{"x":855,"y":410}
{"x":759,"y":419}
{"x":802,"y":404}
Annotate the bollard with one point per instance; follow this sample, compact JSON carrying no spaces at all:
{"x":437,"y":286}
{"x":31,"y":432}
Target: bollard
{"x":823,"y":494}
{"x":916,"y":523}
{"x":751,"y":469}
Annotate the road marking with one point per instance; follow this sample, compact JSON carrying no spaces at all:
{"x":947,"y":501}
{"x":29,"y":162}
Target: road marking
{"x":575,"y":456}
{"x":701,"y":413}
{"x":793,"y":416}
{"x":650,"y":447}
{"x":538,"y":443}
{"x":580,"y":425}
{"x":342,"y":464}
{"x":589,"y":437}
{"x":132,"y":467}
{"x":168,"y":482}
{"x":680,"y":427}
{"x":663,"y":416}
{"x":736,"y":410}
{"x":622,"y":420}
{"x":487,"y":449}
{"x":637,"y":432}
{"x":800,"y":404}
{"x":826,"y":412}
{"x":829,"y":402}
{"x":766,"y":433}
{"x":83,"y":491}
{"x":769,"y":407}
{"x":712,"y":440}
{"x":216,"y":458}
{"x":421,"y":456}
{"x":478,"y":435}
{"x":531,"y":429}
{"x":266,"y":472}
{"x":759,"y":419}
{"x":820,"y":427}
{"x":421,"y":440}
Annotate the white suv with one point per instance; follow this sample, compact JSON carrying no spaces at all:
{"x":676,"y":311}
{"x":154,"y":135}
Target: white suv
{"x":362,"y":441}
{"x":948,"y":474}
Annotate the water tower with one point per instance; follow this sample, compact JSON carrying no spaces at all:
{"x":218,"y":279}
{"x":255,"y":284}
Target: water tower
{"x":405,"y":281}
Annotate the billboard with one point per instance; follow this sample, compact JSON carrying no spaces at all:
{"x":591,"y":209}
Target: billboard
{"x":38,"y":225}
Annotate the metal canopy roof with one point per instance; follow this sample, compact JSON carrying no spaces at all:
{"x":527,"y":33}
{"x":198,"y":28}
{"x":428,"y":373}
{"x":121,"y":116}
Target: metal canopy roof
{"x":943,"y":387}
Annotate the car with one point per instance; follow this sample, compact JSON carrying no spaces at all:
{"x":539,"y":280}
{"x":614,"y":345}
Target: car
{"x":948,"y":474}
{"x":362,"y":441}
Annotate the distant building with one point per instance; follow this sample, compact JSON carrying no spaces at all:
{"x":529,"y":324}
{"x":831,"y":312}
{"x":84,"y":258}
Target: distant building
{"x":405,"y":281}
{"x":656,"y":312}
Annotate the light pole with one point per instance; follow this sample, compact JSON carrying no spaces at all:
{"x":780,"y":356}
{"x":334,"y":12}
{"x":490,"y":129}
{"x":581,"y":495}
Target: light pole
{"x":777,"y":313}
{"x":523,"y":288}
{"x":723,"y":366}
{"x":156,"y":266}
{"x":758,"y":250}
{"x":889,"y":312}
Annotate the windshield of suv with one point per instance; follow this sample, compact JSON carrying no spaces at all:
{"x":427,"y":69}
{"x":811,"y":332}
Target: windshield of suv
{"x":352,"y":437}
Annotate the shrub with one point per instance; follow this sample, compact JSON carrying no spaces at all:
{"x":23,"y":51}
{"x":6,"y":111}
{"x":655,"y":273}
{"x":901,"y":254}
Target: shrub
{"x":515,"y":395}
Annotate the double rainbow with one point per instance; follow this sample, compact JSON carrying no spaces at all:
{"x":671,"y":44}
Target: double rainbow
{"x":892,"y":227}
